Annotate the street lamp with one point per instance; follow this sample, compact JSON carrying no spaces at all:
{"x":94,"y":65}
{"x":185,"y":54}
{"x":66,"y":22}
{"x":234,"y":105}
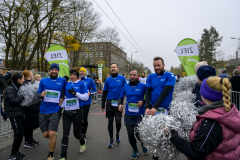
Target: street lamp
{"x":131,"y":55}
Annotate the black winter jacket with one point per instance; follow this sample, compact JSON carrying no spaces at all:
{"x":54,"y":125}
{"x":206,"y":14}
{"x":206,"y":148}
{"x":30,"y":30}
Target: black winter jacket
{"x":32,"y":113}
{"x":235,"y":81}
{"x":12,"y":101}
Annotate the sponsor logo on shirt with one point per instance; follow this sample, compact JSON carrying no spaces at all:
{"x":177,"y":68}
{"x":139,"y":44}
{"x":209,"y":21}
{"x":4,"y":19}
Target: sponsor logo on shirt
{"x":76,"y":87}
{"x":137,"y":89}
{"x":59,"y":83}
{"x":85,"y":82}
{"x":54,"y":80}
{"x":162,"y":79}
{"x":118,"y":80}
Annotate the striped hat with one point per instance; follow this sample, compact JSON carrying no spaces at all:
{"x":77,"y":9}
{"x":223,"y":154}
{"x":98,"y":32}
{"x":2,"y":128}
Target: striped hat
{"x":236,"y":72}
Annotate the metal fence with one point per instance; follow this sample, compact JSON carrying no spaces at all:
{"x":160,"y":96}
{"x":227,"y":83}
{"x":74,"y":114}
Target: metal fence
{"x":97,"y":97}
{"x":235,"y":98}
{"x":5,"y":126}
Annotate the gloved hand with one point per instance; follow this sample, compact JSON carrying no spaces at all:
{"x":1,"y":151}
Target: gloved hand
{"x":61,"y":110}
{"x":72,"y":91}
{"x":173,"y":133}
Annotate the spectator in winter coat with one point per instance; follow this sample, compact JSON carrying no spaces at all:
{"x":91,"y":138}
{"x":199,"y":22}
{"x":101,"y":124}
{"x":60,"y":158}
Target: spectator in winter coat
{"x":2,"y":83}
{"x":224,"y":74}
{"x":196,"y":89}
{"x":37,"y":77}
{"x":216,"y":132}
{"x":15,"y":113}
{"x":203,"y":72}
{"x":8,"y":75}
{"x":31,"y":121}
{"x":235,"y":81}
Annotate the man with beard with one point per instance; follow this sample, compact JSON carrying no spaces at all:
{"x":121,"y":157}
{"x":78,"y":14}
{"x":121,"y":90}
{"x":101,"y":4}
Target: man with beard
{"x":86,"y":104}
{"x":51,"y":89}
{"x":134,"y":91}
{"x":112,"y":90}
{"x":143,"y":79}
{"x":159,"y":90}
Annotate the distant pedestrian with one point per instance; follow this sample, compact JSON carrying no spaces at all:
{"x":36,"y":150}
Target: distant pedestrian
{"x":8,"y":75}
{"x":2,"y":83}
{"x":224,"y":75}
{"x":46,"y":74}
{"x":143,"y":79}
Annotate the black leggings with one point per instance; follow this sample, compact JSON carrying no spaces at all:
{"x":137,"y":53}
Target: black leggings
{"x":18,"y":128}
{"x":85,"y":118}
{"x":76,"y":119}
{"x":110,"y":125}
{"x":131,"y":137}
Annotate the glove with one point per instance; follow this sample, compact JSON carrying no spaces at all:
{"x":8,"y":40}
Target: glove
{"x":72,"y":91}
{"x":173,"y":133}
{"x":61,"y":110}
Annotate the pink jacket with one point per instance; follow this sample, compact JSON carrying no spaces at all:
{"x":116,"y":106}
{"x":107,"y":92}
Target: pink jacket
{"x":229,"y":149}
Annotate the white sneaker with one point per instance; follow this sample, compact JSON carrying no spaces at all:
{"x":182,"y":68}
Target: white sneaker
{"x":82,"y":148}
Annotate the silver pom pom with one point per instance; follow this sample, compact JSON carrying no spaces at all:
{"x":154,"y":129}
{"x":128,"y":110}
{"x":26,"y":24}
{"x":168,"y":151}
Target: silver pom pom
{"x":186,"y":83}
{"x":155,"y":134}
{"x":29,"y":92}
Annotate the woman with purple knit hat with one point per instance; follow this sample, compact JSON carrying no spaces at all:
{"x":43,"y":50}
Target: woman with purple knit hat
{"x":216,"y":132}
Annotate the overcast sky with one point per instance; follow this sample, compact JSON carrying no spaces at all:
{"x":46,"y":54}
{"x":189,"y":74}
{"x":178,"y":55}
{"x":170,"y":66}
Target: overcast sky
{"x":159,"y":25}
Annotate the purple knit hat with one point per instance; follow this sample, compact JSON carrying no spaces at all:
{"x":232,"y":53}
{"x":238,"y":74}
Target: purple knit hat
{"x":209,"y":93}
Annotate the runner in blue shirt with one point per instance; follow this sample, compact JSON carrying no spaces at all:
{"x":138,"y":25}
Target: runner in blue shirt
{"x":112,"y":90}
{"x":72,"y":109}
{"x":134,"y":91}
{"x":159,"y":90}
{"x":51,"y":89}
{"x":86,"y":104}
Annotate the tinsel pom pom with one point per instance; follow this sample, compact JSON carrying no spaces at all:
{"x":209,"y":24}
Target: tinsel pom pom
{"x":29,"y":92}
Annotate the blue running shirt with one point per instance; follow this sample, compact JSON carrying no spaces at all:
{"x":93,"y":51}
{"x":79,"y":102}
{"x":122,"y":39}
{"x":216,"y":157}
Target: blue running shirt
{"x":57,"y":85}
{"x":157,"y":83}
{"x":134,"y":94}
{"x":114,"y":87}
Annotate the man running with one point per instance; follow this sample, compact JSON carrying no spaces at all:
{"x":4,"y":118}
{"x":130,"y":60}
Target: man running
{"x":86,"y":104}
{"x":112,"y":90}
{"x":51,"y":89}
{"x":134,"y":91}
{"x":143,"y":79}
{"x":159,"y":90}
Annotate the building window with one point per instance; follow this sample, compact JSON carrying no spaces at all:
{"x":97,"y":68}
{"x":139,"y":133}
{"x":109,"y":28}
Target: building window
{"x":86,"y":54}
{"x":101,"y":54}
{"x":96,"y":46}
{"x":91,"y":46}
{"x":96,"y":54}
{"x":101,"y":45}
{"x":91,"y":54}
{"x":81,"y":54}
{"x":87,"y":47}
{"x":91,"y":62}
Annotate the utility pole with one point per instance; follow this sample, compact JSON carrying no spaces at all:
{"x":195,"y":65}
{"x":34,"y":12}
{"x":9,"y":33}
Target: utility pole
{"x":131,"y":58}
{"x":236,"y":59}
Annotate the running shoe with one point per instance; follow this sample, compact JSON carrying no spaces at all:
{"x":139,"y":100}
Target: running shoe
{"x":21,"y":155}
{"x":15,"y":157}
{"x":118,"y":139}
{"x":82,"y":148}
{"x":145,"y":149}
{"x":35,"y":142}
{"x":29,"y":145}
{"x":62,"y":158}
{"x":110,"y":145}
{"x":135,"y":154}
{"x":51,"y":158}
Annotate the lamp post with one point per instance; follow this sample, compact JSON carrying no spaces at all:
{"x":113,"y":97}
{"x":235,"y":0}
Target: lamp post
{"x":236,"y":53}
{"x":131,"y":57}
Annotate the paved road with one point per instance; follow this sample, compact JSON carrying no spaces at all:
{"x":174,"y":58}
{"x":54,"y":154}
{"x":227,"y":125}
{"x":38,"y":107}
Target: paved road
{"x":97,"y":141}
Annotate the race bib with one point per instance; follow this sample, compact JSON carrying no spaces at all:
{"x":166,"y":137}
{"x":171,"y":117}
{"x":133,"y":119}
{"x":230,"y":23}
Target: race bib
{"x":114,"y":103}
{"x":52,"y":96}
{"x":162,"y":111}
{"x":72,"y":104}
{"x":132,"y":107}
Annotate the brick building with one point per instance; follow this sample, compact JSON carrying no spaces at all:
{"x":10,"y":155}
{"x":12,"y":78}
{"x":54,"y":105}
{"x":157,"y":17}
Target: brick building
{"x":93,"y":52}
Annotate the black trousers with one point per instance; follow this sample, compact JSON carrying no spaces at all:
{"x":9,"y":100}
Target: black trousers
{"x":76,"y":119}
{"x":85,"y":118}
{"x":131,"y":137}
{"x":18,"y":128}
